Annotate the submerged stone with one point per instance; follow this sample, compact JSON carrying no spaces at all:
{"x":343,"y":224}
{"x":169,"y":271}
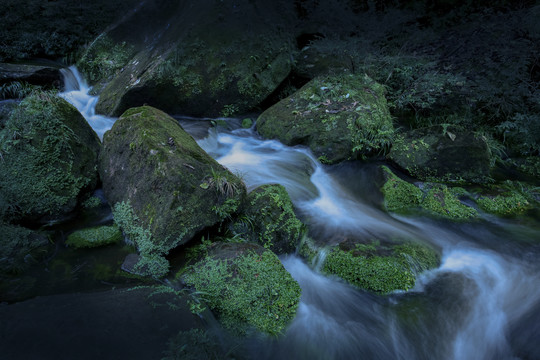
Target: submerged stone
{"x":49,"y":159}
{"x":247,"y":287}
{"x":268,"y":218}
{"x":94,"y":237}
{"x":339,"y":117}
{"x":443,"y":153}
{"x":19,"y":248}
{"x":162,"y":186}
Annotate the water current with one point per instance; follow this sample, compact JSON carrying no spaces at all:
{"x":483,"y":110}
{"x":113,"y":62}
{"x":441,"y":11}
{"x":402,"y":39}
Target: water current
{"x":483,"y":302}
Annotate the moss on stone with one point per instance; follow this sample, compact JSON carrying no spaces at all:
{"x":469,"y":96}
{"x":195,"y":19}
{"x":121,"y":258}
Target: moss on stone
{"x":399,"y":195}
{"x":443,"y":201}
{"x":247,"y":287}
{"x":339,"y":117}
{"x":380,"y":268}
{"x":436,"y":199}
{"x":49,"y":158}
{"x":508,"y":199}
{"x":174,"y":188}
{"x":94,"y":237}
{"x":269,"y":219}
{"x":443,"y":153}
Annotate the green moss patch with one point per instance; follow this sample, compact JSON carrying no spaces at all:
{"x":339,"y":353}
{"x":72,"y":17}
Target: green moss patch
{"x":247,"y":287}
{"x":436,"y":199}
{"x":94,"y":237}
{"x":508,"y":199}
{"x":380,"y":268}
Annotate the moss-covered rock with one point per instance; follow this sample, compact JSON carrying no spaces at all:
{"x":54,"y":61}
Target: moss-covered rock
{"x":339,"y":117}
{"x":19,"y":247}
{"x":163,"y":187}
{"x":209,"y":58}
{"x":94,"y":237}
{"x":268,"y":218}
{"x":434,"y":199}
{"x":508,"y":199}
{"x":247,"y":287}
{"x":381,"y":268}
{"x":49,"y":159}
{"x":443,"y":153}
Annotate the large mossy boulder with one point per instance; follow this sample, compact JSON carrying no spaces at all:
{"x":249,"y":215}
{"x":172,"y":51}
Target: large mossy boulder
{"x":19,"y":248}
{"x":443,"y":153}
{"x":436,"y":200}
{"x":375,"y":266}
{"x":203,"y":58}
{"x":163,"y":187}
{"x":339,"y":117}
{"x":268,"y":218}
{"x":247,"y":287}
{"x":48,"y":159}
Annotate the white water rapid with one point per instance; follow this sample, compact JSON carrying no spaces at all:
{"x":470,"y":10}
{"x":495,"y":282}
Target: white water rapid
{"x":77,"y":92}
{"x":483,"y":302}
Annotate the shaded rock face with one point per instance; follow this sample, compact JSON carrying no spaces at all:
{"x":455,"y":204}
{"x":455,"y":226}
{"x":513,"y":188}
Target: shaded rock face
{"x":19,"y":247}
{"x":32,"y":74}
{"x":202,"y":58}
{"x":164,"y":181}
{"x":443,"y":153}
{"x":339,"y":117}
{"x":49,"y":159}
{"x":268,"y":218}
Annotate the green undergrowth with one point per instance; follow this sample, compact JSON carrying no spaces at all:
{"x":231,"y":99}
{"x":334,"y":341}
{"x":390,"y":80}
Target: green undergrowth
{"x":152,"y":261}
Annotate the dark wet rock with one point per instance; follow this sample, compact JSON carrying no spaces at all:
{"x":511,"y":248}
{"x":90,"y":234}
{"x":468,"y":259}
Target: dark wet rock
{"x":20,"y":248}
{"x":194,"y":58}
{"x":49,"y":76}
{"x":163,"y":187}
{"x":443,"y":153}
{"x":49,"y":159}
{"x":339,"y":117}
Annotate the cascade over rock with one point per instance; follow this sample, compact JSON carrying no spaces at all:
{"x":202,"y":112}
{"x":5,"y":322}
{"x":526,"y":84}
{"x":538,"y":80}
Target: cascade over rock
{"x":163,"y":186}
{"x":195,"y":58}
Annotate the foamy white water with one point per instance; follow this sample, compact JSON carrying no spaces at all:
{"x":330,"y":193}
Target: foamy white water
{"x":77,"y":92}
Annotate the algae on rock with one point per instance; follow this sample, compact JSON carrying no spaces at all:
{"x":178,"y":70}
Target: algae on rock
{"x":339,"y":117}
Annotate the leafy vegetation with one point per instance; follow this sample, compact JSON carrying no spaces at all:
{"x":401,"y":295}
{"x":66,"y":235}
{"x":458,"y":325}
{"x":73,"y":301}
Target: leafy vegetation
{"x":18,"y":248}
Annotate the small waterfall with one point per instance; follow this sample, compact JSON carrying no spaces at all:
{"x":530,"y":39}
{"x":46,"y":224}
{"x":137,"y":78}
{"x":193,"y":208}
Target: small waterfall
{"x":77,"y":92}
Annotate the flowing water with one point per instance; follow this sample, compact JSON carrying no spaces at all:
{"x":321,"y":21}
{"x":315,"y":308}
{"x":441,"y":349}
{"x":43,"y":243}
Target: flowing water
{"x":483,"y":302}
